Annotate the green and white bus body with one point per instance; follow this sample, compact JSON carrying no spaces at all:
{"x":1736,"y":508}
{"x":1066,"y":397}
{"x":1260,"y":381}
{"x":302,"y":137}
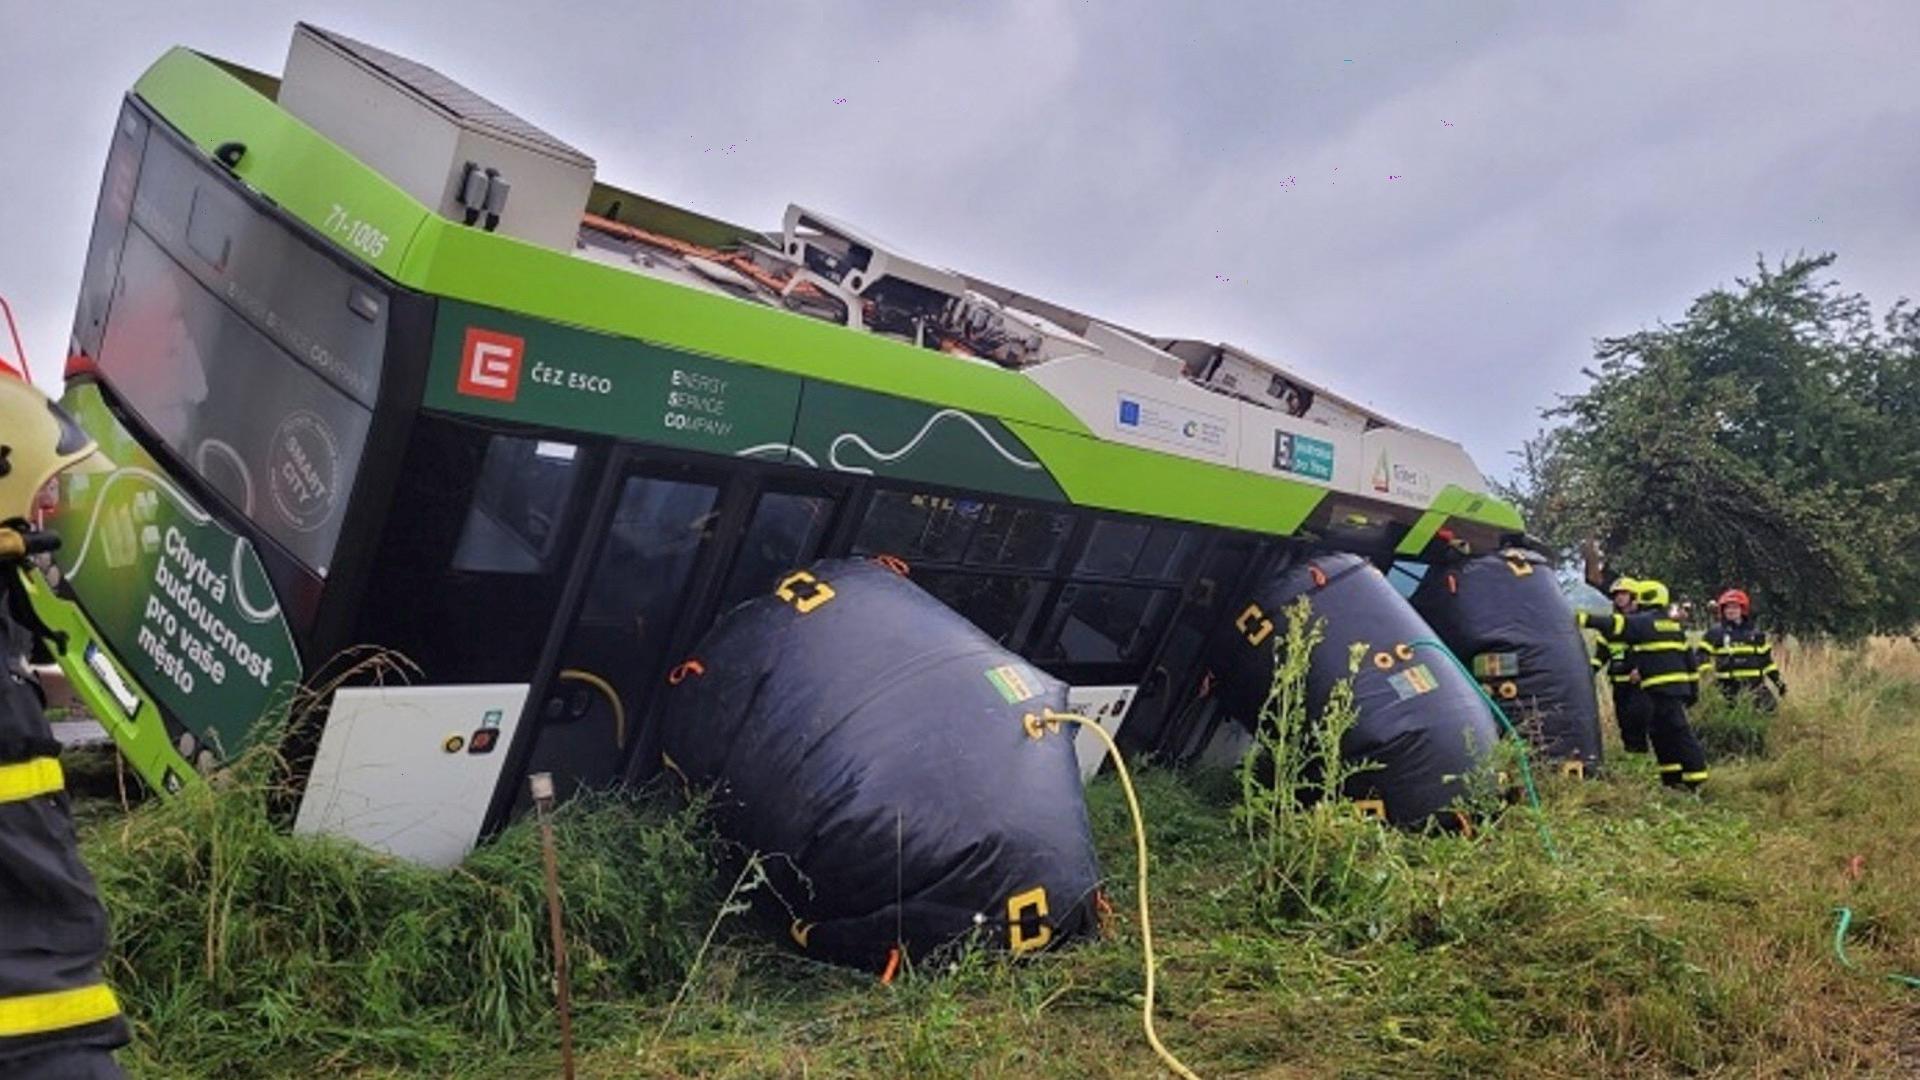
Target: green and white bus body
{"x":344,"y":419}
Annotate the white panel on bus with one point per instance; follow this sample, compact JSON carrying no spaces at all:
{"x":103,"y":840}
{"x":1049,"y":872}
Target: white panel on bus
{"x":1123,"y":348}
{"x":1169,"y":415}
{"x":1411,"y":467}
{"x":409,"y":770}
{"x":1176,"y":417}
{"x":1105,"y":705}
{"x":1274,"y":443}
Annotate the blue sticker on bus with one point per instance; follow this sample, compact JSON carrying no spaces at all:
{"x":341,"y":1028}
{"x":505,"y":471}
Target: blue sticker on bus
{"x":1302,"y":455}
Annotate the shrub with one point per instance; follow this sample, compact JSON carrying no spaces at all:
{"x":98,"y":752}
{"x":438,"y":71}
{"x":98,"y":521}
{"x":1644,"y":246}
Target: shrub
{"x":1730,"y":729}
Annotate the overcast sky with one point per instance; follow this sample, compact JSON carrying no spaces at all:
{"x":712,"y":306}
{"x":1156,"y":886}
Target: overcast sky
{"x":1433,"y":208}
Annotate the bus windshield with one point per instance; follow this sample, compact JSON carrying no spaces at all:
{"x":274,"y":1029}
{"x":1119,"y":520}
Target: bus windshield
{"x":252,"y":355}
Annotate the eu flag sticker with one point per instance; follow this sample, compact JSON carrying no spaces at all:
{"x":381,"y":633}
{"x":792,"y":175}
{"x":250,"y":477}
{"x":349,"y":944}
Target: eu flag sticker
{"x":1129,"y":412}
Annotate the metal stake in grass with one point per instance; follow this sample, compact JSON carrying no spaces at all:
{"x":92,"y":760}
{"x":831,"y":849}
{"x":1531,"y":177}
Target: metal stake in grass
{"x":541,"y":786}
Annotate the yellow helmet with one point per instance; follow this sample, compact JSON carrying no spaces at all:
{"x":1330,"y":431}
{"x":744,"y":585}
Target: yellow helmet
{"x":1623,"y":584}
{"x":1652,"y":594}
{"x":38,"y":441}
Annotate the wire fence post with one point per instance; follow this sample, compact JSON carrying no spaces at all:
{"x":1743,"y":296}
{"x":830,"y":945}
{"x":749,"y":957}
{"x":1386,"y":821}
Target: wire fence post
{"x":541,"y":787}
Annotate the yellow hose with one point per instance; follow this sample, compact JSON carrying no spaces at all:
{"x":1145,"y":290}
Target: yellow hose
{"x":1052,"y":720}
{"x":613,"y":698}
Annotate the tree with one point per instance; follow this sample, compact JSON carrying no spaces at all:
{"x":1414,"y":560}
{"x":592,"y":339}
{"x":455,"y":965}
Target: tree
{"x":1767,"y":440}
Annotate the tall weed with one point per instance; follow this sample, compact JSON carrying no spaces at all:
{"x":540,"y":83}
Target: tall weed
{"x":1312,"y":855}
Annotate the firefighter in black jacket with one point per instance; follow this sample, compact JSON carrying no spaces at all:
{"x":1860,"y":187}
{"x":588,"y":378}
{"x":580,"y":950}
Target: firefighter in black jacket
{"x":1739,"y":656}
{"x":1663,"y":665}
{"x":58,"y":1019}
{"x":1631,"y":709}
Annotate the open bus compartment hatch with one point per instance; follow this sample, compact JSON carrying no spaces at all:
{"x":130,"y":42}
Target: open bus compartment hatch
{"x":409,"y":770}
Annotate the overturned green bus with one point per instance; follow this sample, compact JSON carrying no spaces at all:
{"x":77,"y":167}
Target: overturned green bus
{"x":381,"y":364}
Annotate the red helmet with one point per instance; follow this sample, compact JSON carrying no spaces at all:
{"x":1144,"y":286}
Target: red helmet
{"x":1735,"y":596}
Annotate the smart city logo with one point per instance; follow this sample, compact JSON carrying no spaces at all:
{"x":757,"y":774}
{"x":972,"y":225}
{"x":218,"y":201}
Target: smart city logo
{"x":490,"y":364}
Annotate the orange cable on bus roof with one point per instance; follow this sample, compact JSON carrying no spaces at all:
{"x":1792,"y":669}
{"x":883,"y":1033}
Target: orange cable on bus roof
{"x":743,"y":263}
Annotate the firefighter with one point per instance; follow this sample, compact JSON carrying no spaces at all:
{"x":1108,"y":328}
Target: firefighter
{"x":1739,"y":655}
{"x":58,"y":1019}
{"x":1665,"y":671}
{"x":1631,"y":709}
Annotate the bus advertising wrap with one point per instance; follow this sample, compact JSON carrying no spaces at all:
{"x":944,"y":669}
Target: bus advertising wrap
{"x":509,"y":367}
{"x":184,"y":602}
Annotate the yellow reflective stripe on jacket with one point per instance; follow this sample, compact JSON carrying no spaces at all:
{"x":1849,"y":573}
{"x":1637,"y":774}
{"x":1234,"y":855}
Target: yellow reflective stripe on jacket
{"x":1659,"y":646}
{"x":56,"y":1010}
{"x":1743,"y":673}
{"x":1669,"y":679}
{"x":1693,"y":777}
{"x":1609,"y":626}
{"x":30,"y":779}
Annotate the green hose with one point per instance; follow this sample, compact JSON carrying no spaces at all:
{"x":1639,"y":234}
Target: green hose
{"x":1500,"y":716}
{"x":1840,"y":946}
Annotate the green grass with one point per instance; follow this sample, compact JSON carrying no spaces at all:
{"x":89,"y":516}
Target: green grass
{"x":241,"y":950}
{"x":1676,"y":936}
{"x":1731,"y":729}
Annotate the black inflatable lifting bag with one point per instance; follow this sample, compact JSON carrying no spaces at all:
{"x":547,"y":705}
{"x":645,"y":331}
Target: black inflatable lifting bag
{"x":869,"y":741}
{"x":1419,"y":719}
{"x":1505,"y":617}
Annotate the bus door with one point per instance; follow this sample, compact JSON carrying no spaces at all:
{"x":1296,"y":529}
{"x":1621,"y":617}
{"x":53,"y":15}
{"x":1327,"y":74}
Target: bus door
{"x":769,"y":525}
{"x":678,"y":542}
{"x":785,"y":526}
{"x":1170,"y":712}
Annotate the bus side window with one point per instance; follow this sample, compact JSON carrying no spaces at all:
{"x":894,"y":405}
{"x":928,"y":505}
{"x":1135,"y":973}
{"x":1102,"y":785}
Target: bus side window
{"x":524,"y":488}
{"x":1105,"y":624}
{"x":640,"y":575}
{"x":917,"y":528}
{"x":785,"y":530}
{"x":1001,"y":605}
{"x":1112,"y":548}
{"x":1168,"y":554}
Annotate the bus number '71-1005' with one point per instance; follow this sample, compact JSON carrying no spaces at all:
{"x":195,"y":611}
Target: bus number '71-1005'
{"x":362,"y":236}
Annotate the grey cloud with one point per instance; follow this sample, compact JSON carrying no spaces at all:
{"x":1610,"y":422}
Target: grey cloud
{"x":1606,"y":163}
